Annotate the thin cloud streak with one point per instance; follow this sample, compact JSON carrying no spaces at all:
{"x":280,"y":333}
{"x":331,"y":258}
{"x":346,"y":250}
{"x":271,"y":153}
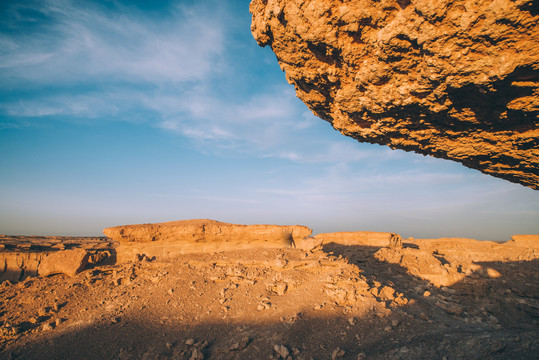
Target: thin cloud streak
{"x":86,"y":44}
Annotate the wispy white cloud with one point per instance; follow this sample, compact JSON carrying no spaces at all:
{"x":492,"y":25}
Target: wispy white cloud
{"x":261,"y":122}
{"x":78,"y":41}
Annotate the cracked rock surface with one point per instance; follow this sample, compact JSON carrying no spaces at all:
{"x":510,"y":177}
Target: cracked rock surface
{"x":453,"y":79}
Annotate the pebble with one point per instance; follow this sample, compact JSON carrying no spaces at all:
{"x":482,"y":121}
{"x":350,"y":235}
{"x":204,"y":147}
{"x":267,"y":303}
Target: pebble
{"x":361,"y":356}
{"x":337,"y":354}
{"x":189,"y":342}
{"x":240,"y":345}
{"x":280,"y":289}
{"x":426,"y":293}
{"x":196,"y":355}
{"x":318,"y":307}
{"x":264,"y":305}
{"x":281,"y":350}
{"x":395,"y":323}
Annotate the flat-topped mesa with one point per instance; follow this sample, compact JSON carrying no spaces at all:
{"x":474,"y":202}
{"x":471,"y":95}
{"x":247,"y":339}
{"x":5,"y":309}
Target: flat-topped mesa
{"x":452,"y":79}
{"x":207,"y":231}
{"x":194,"y":236}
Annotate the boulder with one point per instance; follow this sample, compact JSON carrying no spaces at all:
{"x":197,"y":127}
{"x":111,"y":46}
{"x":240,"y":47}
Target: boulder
{"x":456,"y":79}
{"x":69,"y":262}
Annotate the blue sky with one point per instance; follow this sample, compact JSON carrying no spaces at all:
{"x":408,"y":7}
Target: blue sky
{"x":118,"y":112}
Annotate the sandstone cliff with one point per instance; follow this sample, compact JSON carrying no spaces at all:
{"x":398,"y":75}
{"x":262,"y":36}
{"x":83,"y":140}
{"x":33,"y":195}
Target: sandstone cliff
{"x":170,"y":239}
{"x":207,"y":231}
{"x":452,"y":79}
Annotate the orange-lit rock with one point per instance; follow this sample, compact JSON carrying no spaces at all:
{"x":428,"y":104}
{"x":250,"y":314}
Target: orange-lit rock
{"x":365,"y":238}
{"x":453,"y":79}
{"x":69,"y":262}
{"x":169,"y":239}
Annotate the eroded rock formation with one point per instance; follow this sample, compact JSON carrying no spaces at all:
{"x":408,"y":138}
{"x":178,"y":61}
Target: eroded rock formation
{"x":173,"y":238}
{"x":452,"y":79}
{"x":356,"y":238}
{"x":27,"y":256}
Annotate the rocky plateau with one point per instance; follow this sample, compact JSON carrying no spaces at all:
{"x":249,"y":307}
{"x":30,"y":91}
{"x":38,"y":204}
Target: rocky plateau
{"x":457,"y":80}
{"x":265,"y":295}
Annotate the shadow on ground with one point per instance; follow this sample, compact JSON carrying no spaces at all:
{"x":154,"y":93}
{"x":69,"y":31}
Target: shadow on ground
{"x":476,"y":318}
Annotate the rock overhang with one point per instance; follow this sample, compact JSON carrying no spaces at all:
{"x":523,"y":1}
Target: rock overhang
{"x":445,"y":79}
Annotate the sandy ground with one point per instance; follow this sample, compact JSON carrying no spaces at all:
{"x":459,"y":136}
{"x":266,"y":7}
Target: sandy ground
{"x":334,"y":302}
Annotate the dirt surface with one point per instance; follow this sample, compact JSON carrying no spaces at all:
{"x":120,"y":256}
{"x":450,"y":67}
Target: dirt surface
{"x":335,"y":301}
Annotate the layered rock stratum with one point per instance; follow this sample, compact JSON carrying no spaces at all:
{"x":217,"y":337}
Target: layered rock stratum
{"x":453,"y":79}
{"x":174,"y":238}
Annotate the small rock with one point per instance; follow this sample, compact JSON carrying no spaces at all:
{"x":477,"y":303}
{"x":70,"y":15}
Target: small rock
{"x":388,"y":328}
{"x":361,"y":356}
{"x":426,"y":293}
{"x":351,"y":321}
{"x":47,"y":327}
{"x":395,"y":323}
{"x":196,"y":355}
{"x":190,"y":342}
{"x":337,"y":354}
{"x":281,"y":350}
{"x":493,"y":273}
{"x":280,"y":289}
{"x":240,"y":345}
{"x":318,"y":307}
{"x":169,"y":345}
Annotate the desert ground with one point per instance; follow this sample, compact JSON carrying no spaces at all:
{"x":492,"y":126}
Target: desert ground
{"x":335,"y":296}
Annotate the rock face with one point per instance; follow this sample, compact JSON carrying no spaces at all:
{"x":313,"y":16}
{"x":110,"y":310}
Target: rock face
{"x":18,"y":265}
{"x":206,"y":231}
{"x":355,"y":238}
{"x":198,"y":236}
{"x":69,"y":262}
{"x":27,"y":256}
{"x":452,"y":79}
